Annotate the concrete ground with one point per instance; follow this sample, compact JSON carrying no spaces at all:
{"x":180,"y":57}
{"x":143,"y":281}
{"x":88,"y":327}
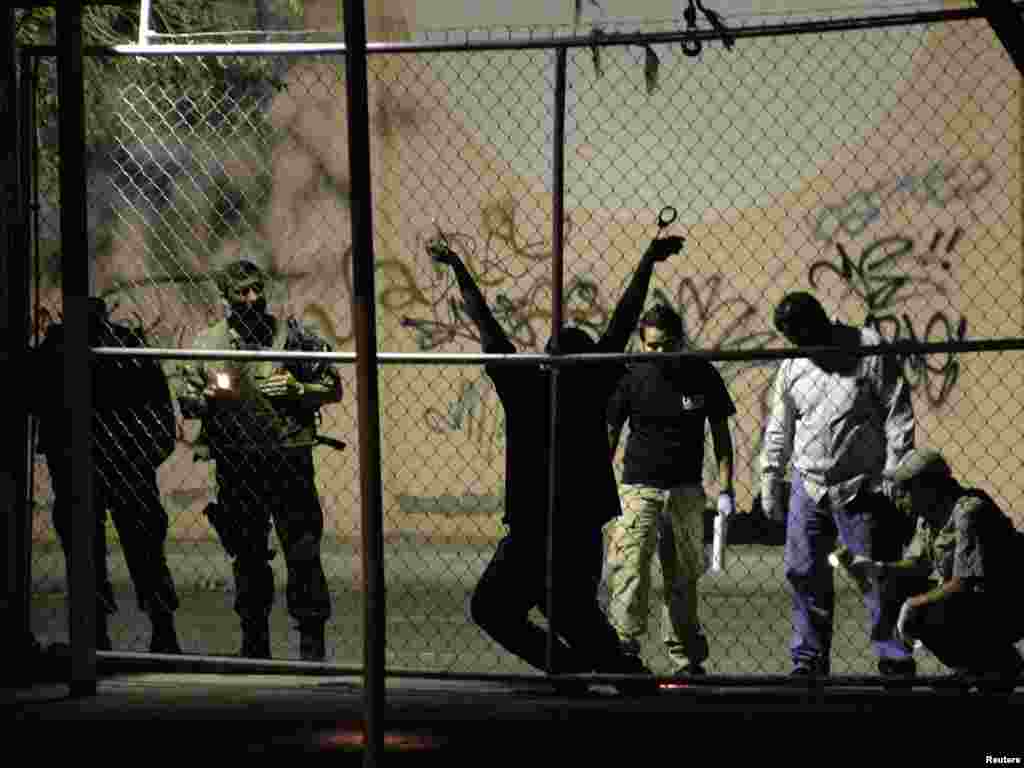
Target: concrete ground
{"x":140,"y":711}
{"x":453,"y":697}
{"x":745,"y":611}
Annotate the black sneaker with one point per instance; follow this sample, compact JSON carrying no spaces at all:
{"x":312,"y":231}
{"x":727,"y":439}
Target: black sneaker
{"x":643,"y":682}
{"x":103,"y":635}
{"x":311,"y":641}
{"x":955,"y":683}
{"x":165,"y":637}
{"x":807,"y":670}
{"x":897,"y":673}
{"x":255,"y":645}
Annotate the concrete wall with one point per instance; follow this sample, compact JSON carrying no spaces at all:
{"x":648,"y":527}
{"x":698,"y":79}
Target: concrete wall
{"x":883,"y":174}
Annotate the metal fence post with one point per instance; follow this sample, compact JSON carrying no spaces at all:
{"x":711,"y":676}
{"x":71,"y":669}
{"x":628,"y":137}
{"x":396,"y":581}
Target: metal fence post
{"x":557,"y":250}
{"x":365,"y":323}
{"x":13,"y":296}
{"x":77,"y":382}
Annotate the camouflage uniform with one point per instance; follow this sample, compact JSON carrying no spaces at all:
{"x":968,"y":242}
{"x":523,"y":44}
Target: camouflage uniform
{"x":974,"y":630}
{"x":262,"y":449}
{"x":672,"y":520}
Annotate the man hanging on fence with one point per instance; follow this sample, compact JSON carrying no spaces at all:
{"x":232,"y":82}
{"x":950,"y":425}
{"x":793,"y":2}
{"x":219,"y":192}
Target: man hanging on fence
{"x":259,"y":421}
{"x":842,"y":418}
{"x":666,"y":404}
{"x":514,"y":581}
{"x":959,"y":577}
{"x":133,"y":432}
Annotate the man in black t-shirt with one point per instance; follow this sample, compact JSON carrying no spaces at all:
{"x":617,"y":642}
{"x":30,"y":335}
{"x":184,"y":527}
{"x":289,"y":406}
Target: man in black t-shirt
{"x":514,"y":581}
{"x":666,"y":404}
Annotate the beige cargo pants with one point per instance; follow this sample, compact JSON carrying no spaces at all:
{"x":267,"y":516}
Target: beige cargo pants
{"x":670,"y":522}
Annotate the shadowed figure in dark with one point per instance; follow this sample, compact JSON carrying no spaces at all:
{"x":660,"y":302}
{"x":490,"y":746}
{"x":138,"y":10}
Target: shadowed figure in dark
{"x":514,"y":581}
{"x":133,"y":432}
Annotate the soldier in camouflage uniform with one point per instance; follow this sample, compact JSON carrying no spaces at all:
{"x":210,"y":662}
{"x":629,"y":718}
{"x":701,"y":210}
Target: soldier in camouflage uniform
{"x":259,"y":424}
{"x":960,"y":572}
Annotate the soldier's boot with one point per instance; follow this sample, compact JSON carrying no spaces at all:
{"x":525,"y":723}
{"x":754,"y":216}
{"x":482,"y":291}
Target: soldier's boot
{"x":311,"y":640}
{"x":165,"y":637}
{"x":255,"y":639}
{"x":102,"y":631}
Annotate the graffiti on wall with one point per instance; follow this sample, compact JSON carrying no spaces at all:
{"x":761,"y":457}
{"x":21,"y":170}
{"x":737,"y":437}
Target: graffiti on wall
{"x":879,"y":279}
{"x":940,"y":185}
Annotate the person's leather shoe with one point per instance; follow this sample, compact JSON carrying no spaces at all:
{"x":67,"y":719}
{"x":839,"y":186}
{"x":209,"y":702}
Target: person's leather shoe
{"x":255,"y":640}
{"x":897,"y":673}
{"x":165,"y":636}
{"x":311,"y":641}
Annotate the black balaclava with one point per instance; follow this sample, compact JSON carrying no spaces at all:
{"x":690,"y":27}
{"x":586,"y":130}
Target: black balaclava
{"x":249,"y":319}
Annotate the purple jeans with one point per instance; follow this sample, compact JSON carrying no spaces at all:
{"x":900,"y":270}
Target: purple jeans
{"x":869,"y":525}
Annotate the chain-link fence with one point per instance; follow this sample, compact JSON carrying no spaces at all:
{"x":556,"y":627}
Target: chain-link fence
{"x":877,"y":168}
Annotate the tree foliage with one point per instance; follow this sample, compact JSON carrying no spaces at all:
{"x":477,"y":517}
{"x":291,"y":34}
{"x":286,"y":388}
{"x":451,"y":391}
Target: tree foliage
{"x":145,"y":116}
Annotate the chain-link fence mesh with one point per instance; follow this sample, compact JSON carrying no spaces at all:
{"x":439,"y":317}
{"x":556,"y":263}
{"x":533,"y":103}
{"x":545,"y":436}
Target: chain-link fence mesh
{"x":877,"y":168}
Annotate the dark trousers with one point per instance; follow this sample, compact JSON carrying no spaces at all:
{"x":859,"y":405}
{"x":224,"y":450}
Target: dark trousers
{"x":255,"y":488}
{"x":869,"y":525}
{"x":514,"y":582}
{"x":128,"y":489}
{"x":972,"y":632}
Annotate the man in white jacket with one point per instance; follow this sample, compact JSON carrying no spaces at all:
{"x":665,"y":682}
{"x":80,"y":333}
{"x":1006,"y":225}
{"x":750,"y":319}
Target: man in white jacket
{"x":838,"y":420}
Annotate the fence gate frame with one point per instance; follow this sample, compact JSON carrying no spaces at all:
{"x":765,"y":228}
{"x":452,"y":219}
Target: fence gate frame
{"x":1004,"y":16}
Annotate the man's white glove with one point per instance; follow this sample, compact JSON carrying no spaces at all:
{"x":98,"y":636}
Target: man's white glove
{"x":726,"y":504}
{"x":906,"y":615}
{"x":888,"y":487}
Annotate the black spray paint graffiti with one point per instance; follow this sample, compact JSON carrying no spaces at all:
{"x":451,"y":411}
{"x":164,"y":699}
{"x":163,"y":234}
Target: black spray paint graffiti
{"x":474,"y":411}
{"x":871,"y":278}
{"x":704,"y":309}
{"x":922,"y":373}
{"x":519,"y":317}
{"x":876,"y":280}
{"x":940,"y":185}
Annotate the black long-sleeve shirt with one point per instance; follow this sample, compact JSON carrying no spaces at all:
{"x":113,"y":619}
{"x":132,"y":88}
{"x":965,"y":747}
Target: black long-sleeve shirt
{"x":587,"y":491}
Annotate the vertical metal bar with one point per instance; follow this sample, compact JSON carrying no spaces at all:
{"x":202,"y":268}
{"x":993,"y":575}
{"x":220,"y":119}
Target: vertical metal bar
{"x":22,"y":254}
{"x":557,"y":252}
{"x":364,"y":320}
{"x":558,"y":191}
{"x":14,"y":301}
{"x":1006,"y":21}
{"x":77,"y":381}
{"x":32,"y":182}
{"x":30,"y":229}
{"x":145,"y":12}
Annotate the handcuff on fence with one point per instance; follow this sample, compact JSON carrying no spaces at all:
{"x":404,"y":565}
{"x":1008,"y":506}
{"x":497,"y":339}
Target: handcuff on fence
{"x":666,"y":217}
{"x":691,"y":45}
